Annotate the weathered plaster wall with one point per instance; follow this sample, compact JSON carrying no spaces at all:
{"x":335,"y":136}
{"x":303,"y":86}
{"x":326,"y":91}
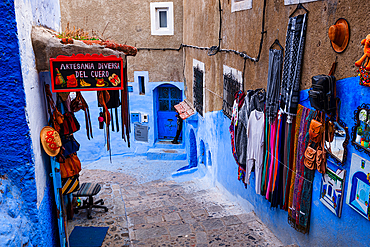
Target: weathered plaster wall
{"x":23,"y":170}
{"x":128,"y":22}
{"x":242,"y":31}
{"x":326,"y":229}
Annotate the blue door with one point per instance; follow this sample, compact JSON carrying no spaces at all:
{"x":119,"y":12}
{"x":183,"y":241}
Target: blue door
{"x":168,"y":97}
{"x":62,"y":218}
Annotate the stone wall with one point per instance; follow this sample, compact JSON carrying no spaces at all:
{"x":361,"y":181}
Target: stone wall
{"x":128,"y":22}
{"x":241,"y":31}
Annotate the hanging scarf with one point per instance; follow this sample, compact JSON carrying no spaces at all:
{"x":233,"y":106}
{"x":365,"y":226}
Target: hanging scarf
{"x":293,"y":167}
{"x":273,"y":83}
{"x":294,"y":47}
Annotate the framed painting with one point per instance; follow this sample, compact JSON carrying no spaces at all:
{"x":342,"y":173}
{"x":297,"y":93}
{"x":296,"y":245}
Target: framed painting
{"x":359,"y":186}
{"x":332,"y":189}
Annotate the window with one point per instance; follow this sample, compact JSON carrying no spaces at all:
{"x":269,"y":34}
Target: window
{"x":198,"y":86}
{"x":161,"y":15}
{"x":238,"y":5}
{"x":141,"y":78}
{"x":288,"y":2}
{"x":233,"y":82}
{"x":141,"y":85}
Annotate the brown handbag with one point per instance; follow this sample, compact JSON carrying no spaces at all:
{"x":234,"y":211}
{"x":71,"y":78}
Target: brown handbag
{"x":321,"y":157}
{"x":330,"y":131}
{"x":316,"y":131}
{"x":310,"y":157}
{"x":71,"y":166}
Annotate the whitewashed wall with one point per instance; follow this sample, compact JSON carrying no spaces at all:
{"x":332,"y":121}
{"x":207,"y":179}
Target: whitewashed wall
{"x":29,"y":13}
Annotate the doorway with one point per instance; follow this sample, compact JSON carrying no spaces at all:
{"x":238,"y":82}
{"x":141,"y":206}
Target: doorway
{"x":168,"y":97}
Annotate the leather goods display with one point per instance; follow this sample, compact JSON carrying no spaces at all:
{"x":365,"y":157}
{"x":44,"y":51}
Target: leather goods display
{"x":70,"y":124}
{"x":71,"y":167}
{"x":79,"y":103}
{"x":70,"y":145}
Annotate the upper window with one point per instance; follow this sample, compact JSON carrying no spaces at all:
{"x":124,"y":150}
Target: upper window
{"x":288,"y":2}
{"x":233,"y":82}
{"x":161,"y":15}
{"x":198,"y":86}
{"x":141,"y":78}
{"x":238,"y":5}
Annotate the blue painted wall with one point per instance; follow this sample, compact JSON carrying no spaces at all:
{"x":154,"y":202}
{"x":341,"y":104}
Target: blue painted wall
{"x":24,"y":222}
{"x":94,"y":149}
{"x":326,"y":229}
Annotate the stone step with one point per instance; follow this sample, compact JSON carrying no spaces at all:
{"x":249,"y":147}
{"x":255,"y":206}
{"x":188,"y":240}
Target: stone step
{"x":169,"y":145}
{"x":166,"y":154}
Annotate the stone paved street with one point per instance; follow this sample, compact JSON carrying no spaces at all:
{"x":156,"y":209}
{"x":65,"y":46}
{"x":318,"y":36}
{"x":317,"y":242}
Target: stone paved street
{"x":165,"y":212}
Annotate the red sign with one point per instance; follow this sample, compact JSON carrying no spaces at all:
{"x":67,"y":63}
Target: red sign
{"x":86,"y":73}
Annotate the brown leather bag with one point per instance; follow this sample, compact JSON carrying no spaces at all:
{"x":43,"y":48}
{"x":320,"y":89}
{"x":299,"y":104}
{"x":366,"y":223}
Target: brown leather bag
{"x":316,"y":131}
{"x":330,"y":131}
{"x":310,"y":157}
{"x":321,"y":157}
{"x":71,"y":166}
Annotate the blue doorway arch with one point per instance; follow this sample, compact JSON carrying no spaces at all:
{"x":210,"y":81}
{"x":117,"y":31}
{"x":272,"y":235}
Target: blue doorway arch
{"x":167,"y":97}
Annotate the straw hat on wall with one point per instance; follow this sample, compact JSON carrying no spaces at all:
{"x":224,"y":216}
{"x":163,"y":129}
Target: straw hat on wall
{"x":50,"y":141}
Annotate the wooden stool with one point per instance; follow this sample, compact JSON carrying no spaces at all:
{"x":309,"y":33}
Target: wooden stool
{"x":89,"y":190}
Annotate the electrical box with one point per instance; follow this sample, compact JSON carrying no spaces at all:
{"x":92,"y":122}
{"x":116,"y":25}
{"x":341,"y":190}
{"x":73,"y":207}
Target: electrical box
{"x":135,"y":117}
{"x":144,"y":118}
{"x":141,"y":133}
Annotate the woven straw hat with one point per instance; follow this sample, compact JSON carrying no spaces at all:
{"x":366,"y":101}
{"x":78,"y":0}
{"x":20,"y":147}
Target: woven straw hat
{"x":339,"y":35}
{"x":50,"y":141}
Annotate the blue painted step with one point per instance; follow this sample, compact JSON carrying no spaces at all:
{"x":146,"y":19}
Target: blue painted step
{"x":166,"y":154}
{"x":169,"y":145}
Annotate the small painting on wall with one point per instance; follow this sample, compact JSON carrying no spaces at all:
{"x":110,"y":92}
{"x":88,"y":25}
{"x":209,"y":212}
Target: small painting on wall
{"x":332,"y":189}
{"x":358,"y":194}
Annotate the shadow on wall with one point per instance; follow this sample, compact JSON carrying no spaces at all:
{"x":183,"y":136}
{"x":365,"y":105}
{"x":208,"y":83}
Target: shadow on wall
{"x":193,"y":158}
{"x":202,"y":152}
{"x":209,"y":160}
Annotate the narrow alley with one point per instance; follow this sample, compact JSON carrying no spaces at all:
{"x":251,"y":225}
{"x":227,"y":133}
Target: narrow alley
{"x":147,"y":207}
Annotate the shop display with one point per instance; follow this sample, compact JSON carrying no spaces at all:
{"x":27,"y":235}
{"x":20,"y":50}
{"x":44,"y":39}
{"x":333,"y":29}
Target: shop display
{"x":358,"y":194}
{"x":332,"y":189}
{"x":361,"y":129}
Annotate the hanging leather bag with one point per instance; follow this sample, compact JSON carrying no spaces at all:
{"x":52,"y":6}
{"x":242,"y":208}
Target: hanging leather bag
{"x":310,"y":157}
{"x":329,"y":131}
{"x":71,"y":166}
{"x":321,"y":157}
{"x":79,"y":103}
{"x":70,"y":124}
{"x":316,"y":129}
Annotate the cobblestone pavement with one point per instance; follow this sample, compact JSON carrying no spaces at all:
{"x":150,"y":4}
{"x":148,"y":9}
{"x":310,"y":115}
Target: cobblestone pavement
{"x":164,"y":212}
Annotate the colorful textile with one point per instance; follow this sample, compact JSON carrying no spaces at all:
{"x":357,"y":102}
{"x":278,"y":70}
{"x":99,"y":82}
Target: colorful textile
{"x":293,"y":167}
{"x":290,"y":164}
{"x":299,"y":164}
{"x":265,"y":163}
{"x":272,"y":159}
{"x":241,"y":173}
